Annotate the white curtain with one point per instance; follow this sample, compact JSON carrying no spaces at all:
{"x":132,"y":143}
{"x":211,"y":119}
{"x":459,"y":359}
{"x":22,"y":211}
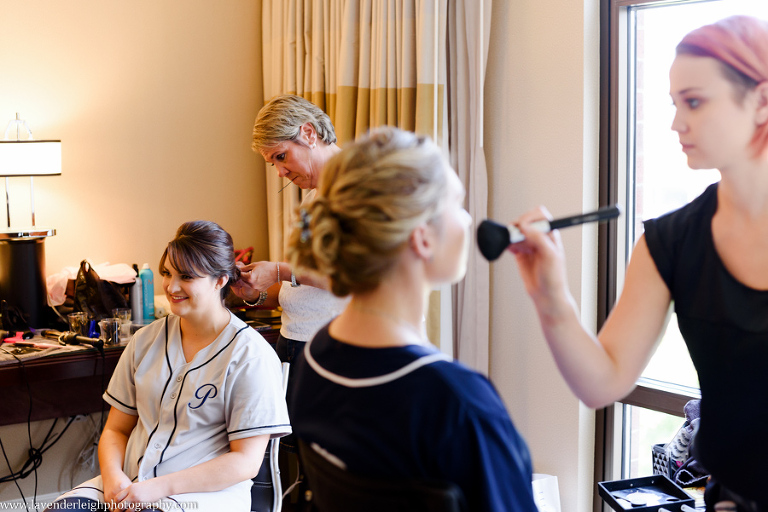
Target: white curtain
{"x":468,"y":36}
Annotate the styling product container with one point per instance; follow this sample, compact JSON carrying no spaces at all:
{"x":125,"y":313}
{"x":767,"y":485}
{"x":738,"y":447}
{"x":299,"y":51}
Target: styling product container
{"x":137,"y":299}
{"x":147,"y":292}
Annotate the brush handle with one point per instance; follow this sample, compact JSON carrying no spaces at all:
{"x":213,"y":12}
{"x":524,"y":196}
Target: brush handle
{"x":605,"y":213}
{"x":493,"y":238}
{"x":516,"y":236}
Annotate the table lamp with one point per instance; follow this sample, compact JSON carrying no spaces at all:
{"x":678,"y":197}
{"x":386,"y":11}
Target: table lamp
{"x":22,"y":251}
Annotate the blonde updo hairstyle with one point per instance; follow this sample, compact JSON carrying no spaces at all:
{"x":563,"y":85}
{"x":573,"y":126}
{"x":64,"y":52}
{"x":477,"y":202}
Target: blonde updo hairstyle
{"x":281,"y":119}
{"x":371,"y":196}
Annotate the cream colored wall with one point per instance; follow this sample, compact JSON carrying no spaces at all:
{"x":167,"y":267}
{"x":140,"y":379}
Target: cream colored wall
{"x":154,"y":103}
{"x":541,"y":105}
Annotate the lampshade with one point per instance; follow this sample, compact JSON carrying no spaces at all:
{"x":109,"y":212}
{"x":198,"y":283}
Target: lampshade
{"x":30,"y":157}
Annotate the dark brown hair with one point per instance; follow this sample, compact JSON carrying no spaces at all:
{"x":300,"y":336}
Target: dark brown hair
{"x":202,"y":249}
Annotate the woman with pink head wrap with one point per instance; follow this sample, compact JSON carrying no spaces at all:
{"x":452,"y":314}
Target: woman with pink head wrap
{"x":709,"y":259}
{"x":740,"y":44}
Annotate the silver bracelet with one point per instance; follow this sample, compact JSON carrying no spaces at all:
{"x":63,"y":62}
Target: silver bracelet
{"x":278,"y":273}
{"x":261,"y":300}
{"x":294,"y":284}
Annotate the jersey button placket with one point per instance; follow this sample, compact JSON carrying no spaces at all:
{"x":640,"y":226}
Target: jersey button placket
{"x":179,"y":378}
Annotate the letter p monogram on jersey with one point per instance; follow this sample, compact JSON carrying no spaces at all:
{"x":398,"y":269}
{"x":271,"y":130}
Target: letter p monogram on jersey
{"x":202,"y":394}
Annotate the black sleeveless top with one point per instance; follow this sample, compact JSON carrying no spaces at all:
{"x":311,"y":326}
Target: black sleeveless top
{"x":725,"y":325}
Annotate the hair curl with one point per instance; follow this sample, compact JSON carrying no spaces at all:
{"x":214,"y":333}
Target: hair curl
{"x":281,"y":119}
{"x":371,"y":197}
{"x":202,"y":249}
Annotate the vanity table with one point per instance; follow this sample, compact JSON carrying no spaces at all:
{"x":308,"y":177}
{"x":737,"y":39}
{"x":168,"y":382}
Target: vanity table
{"x":64,"y":385}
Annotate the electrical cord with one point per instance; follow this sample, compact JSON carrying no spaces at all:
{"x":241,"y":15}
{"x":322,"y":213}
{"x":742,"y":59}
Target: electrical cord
{"x":8,"y":463}
{"x":36,"y":454}
{"x":35,"y":458}
{"x":55,"y":310}
{"x":29,"y":417}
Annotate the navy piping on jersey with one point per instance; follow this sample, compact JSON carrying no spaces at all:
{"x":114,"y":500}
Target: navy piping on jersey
{"x":165,"y":387}
{"x":371,"y":381}
{"x":81,"y":487}
{"x":181,"y":388}
{"x":257,"y":428}
{"x":121,"y":403}
{"x":89,"y":487}
{"x":176,"y":502}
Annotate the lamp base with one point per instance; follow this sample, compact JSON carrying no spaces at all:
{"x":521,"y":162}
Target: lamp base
{"x":22,"y":276}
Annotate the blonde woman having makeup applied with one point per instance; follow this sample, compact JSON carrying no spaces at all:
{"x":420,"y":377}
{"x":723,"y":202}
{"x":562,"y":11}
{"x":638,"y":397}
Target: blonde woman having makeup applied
{"x":387,"y":226}
{"x":710,"y":257}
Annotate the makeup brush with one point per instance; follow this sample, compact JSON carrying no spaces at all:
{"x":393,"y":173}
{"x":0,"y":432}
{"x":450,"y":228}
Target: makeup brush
{"x":493,"y":238}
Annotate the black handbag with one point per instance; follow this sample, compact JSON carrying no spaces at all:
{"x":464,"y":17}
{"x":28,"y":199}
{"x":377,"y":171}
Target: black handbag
{"x":96,"y":296}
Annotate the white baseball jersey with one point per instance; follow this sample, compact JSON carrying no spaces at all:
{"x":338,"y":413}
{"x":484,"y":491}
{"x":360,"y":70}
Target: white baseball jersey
{"x":232,"y":389}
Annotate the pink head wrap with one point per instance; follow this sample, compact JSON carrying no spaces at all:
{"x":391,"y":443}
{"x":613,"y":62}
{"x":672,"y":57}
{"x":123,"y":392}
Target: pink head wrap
{"x":740,"y":42}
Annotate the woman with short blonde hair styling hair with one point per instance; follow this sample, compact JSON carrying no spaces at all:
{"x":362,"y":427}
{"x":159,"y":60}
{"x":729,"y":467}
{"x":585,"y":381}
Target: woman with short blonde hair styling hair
{"x":387,"y":226}
{"x":281,"y":119}
{"x":295,"y":138}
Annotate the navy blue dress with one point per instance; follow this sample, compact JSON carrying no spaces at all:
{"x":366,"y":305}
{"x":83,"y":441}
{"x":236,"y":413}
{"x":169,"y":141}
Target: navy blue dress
{"x":385,"y":413}
{"x":725,"y":326}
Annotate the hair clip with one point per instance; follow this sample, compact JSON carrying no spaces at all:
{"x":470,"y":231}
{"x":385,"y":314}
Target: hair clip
{"x":304,"y":225}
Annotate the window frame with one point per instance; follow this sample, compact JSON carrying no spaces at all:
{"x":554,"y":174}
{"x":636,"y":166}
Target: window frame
{"x":616,"y":154}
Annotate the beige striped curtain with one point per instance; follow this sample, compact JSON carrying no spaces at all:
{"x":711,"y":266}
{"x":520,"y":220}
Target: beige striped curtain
{"x":367,"y":63}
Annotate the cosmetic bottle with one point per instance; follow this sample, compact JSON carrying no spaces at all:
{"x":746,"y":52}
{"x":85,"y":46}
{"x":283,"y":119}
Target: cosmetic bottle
{"x":137,"y":299}
{"x":148,"y":293}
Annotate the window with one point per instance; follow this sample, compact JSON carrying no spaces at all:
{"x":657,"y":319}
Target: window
{"x":643,"y":169}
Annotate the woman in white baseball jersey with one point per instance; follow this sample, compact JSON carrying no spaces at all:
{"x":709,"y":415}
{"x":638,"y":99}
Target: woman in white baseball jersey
{"x":195,"y":397}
